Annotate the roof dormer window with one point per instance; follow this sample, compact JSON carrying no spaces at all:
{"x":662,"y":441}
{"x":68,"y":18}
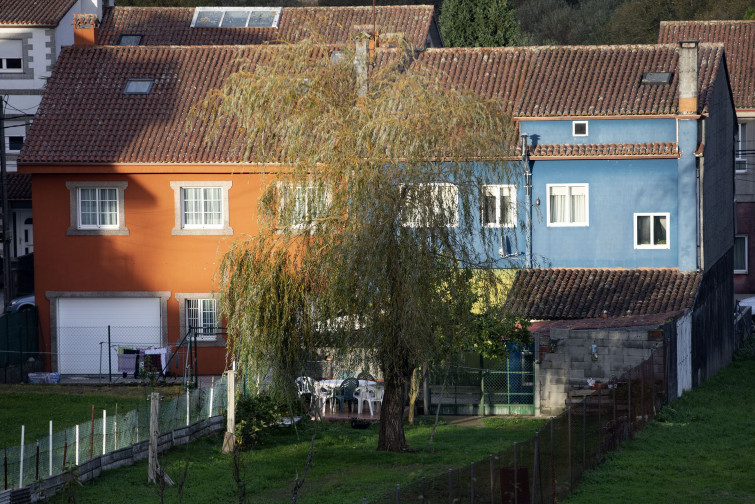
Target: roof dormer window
{"x":129,"y":40}
{"x":656,"y":78}
{"x":236,"y":17}
{"x":138,"y":86}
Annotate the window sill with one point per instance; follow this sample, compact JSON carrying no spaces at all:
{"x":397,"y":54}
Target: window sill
{"x":201,"y":231}
{"x":72,"y":231}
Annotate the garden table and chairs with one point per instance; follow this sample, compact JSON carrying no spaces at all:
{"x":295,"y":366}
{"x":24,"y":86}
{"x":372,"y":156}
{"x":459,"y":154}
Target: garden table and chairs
{"x":358,"y":390}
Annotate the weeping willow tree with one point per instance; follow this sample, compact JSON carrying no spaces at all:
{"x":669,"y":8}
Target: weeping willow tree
{"x":369,"y":236}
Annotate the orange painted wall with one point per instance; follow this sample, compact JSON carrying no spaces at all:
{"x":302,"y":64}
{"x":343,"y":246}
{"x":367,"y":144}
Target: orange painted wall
{"x":150,"y":258}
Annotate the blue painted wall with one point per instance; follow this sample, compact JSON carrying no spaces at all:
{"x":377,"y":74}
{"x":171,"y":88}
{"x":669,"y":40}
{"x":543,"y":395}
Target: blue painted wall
{"x":617,"y":190}
{"x":601,"y":131}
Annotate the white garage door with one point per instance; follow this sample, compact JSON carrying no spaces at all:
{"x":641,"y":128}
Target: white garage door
{"x":83,"y":331}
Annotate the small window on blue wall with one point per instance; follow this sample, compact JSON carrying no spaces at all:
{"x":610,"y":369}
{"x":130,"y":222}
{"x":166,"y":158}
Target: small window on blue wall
{"x":579,"y":128}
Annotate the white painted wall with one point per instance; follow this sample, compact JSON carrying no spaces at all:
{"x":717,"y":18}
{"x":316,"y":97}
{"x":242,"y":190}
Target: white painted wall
{"x":684,"y":354}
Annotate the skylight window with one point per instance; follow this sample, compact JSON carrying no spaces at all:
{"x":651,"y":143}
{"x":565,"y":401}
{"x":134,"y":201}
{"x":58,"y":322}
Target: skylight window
{"x":138,"y":86}
{"x":129,"y":40}
{"x":656,"y":78}
{"x":236,"y":17}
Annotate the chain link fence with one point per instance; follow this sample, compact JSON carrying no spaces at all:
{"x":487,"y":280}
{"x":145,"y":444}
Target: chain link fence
{"x":547,"y":467}
{"x":75,"y":445}
{"x":500,"y":388}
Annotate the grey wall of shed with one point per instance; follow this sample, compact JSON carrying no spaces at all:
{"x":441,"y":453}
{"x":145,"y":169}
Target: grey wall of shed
{"x":570,"y":363}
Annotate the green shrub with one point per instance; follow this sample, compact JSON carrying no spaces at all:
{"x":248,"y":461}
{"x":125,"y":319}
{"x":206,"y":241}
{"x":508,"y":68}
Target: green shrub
{"x":746,"y":351}
{"x":255,"y":414}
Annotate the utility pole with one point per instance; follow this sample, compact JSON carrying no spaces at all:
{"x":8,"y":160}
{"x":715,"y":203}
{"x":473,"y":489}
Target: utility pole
{"x":6,"y":212}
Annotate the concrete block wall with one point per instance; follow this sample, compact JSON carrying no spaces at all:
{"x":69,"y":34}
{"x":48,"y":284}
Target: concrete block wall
{"x":570,"y":362}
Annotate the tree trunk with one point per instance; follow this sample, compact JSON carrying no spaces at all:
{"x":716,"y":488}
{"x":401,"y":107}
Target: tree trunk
{"x":392,"y":417}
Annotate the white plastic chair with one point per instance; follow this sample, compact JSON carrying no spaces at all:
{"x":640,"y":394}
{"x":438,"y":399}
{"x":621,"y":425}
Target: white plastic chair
{"x":306,"y":385}
{"x":322,"y":396}
{"x":362,"y":394}
{"x":377,"y":397}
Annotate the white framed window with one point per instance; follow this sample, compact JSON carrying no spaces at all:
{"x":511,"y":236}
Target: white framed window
{"x":11,"y":56}
{"x":498,"y":206}
{"x":740,"y":154}
{"x":424,"y":203}
{"x":201,"y":208}
{"x":579,"y":128}
{"x":201,"y":317}
{"x":568,"y":205}
{"x":198,"y":315}
{"x":740,"y":254}
{"x":301,"y":205}
{"x":97,"y":208}
{"x":651,"y":230}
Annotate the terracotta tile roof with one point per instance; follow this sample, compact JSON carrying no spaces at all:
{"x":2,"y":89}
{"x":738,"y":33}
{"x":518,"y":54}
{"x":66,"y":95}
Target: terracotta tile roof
{"x":85,"y":117}
{"x":500,"y":72}
{"x":172,"y":26}
{"x":19,"y":186}
{"x":582,"y":81}
{"x":654,"y":149}
{"x":34,"y":12}
{"x":337,"y":24}
{"x":109,"y":126}
{"x":553,"y":294}
{"x":738,"y":38}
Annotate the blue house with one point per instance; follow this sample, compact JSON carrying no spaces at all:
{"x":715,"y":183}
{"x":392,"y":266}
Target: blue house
{"x":628,"y":154}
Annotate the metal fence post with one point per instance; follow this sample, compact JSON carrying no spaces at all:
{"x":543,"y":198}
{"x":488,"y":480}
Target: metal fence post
{"x":536,"y":468}
{"x":398,"y":493}
{"x":492,"y":481}
{"x":423,"y":490}
{"x":450,"y":486}
{"x":629,"y":403}
{"x":471,"y":482}
{"x":569,"y":439}
{"x":516,"y":473}
{"x":109,"y":360}
{"x":553,"y":464}
{"x":584,"y":434}
{"x":600,"y":423}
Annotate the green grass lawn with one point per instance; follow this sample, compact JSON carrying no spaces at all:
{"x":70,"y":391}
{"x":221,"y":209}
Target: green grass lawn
{"x":35,"y":405}
{"x":701,"y":449}
{"x":345,"y":469}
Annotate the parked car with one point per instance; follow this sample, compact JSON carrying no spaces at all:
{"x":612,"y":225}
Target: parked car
{"x":22,"y":303}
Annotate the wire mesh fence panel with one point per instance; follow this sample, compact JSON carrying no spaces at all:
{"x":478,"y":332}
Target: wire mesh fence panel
{"x":77,"y":444}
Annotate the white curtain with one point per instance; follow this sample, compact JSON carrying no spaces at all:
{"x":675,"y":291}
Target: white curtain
{"x":558,"y":205}
{"x":578,"y":205}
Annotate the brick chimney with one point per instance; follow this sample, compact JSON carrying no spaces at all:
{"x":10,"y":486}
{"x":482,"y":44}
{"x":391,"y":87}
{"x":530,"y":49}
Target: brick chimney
{"x":85,"y":28}
{"x":688,"y":77}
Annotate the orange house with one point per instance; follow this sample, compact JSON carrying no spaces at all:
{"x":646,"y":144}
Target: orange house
{"x":132,"y":206}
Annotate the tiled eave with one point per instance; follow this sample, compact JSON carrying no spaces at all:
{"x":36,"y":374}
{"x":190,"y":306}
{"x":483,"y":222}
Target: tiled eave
{"x":655,"y":150}
{"x":136,"y":168}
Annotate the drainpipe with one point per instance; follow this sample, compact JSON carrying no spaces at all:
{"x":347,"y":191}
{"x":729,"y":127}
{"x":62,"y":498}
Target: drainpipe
{"x":700,"y":199}
{"x":528,"y":191}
